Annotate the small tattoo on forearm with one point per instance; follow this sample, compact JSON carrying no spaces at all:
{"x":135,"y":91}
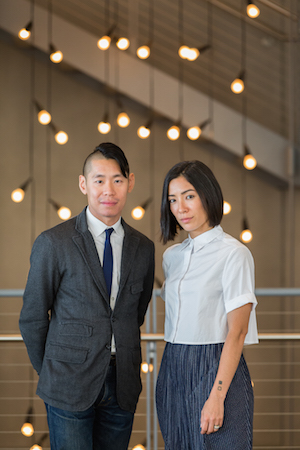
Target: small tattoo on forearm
{"x":220,"y":385}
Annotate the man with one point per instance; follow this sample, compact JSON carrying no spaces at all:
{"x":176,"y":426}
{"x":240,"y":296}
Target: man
{"x":86,"y":297}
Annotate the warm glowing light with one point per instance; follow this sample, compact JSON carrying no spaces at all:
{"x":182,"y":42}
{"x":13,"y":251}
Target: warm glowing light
{"x":123,"y":43}
{"x":36,"y":447}
{"x":104,"y":43}
{"x":138,"y":213}
{"x":226,"y":208}
{"x":193,"y":54}
{"x":145,"y":367}
{"x":123,"y":120}
{"x":253,"y":11}
{"x":143,"y":132}
{"x":173,"y":133}
{"x":246,"y":236}
{"x":44,"y":117}
{"x":249,"y":162}
{"x":17,"y":195}
{"x":193,"y":133}
{"x":61,"y":137}
{"x":183,"y":51}
{"x":56,"y":56}
{"x":27,"y":429}
{"x":64,"y":213}
{"x":237,"y":86}
{"x":143,"y":52}
{"x":24,"y":34}
{"x":104,"y":127}
{"x":139,"y":447}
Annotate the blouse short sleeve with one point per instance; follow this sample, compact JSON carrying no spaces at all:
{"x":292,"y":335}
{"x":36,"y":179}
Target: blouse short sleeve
{"x":238,"y":286}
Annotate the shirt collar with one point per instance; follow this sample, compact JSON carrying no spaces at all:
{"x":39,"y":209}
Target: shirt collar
{"x":203,"y":239}
{"x":97,"y":227}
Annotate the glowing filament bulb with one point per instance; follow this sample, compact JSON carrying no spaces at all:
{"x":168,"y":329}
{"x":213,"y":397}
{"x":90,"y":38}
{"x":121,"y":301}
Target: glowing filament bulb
{"x":183,"y":51}
{"x":27,"y":429}
{"x":17,"y":195}
{"x":64,"y":213}
{"x":44,"y":117}
{"x":246,"y":236}
{"x":143,"y":52}
{"x":226,"y":208}
{"x":193,"y":133}
{"x":24,"y":34}
{"x":104,"y":127}
{"x":56,"y":56}
{"x":122,"y":43}
{"x":123,"y":120}
{"x":193,"y":54}
{"x":143,"y":132}
{"x":253,"y":11}
{"x":249,"y":162}
{"x":104,"y":43}
{"x":237,"y":86}
{"x":138,"y":213}
{"x":173,"y":133}
{"x":61,"y":137}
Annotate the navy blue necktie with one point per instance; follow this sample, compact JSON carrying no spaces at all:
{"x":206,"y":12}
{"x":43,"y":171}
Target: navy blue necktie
{"x":108,"y":260}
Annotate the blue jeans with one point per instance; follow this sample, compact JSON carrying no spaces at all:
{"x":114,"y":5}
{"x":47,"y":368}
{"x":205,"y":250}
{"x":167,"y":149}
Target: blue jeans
{"x":104,"y":426}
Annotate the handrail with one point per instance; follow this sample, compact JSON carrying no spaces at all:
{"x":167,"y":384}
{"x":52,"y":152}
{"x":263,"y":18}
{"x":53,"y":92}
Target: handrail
{"x":154,"y":337}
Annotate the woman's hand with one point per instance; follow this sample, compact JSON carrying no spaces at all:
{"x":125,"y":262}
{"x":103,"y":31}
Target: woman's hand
{"x":212,"y":414}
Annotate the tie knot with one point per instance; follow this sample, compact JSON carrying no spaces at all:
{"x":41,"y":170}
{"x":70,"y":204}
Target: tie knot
{"x":108,"y":232}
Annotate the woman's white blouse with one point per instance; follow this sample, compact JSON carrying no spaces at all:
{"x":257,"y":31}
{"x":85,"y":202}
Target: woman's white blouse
{"x":206,"y":278}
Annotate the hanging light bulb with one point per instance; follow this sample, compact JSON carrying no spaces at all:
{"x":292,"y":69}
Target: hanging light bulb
{"x":194,"y":133}
{"x":104,"y":42}
{"x":61,"y":137}
{"x":246,"y":235}
{"x":44,"y":117}
{"x":226,"y":208}
{"x":249,"y":162}
{"x":56,"y":56}
{"x":183,"y":51}
{"x":173,"y":133}
{"x":143,"y":132}
{"x":237,"y":86}
{"x":123,"y":120}
{"x":25,"y":32}
{"x":64,"y":213}
{"x":193,"y":54}
{"x":36,"y":447}
{"x":144,"y":367}
{"x":138,"y":213}
{"x":139,"y":447}
{"x":143,"y":52}
{"x":252,"y":10}
{"x":27,"y":429}
{"x":122,"y":43}
{"x":18,"y":194}
{"x":104,"y":126}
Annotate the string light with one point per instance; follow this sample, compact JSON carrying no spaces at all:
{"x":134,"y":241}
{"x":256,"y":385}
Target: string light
{"x":249,"y":162}
{"x":138,"y":213}
{"x":104,"y":126}
{"x":123,"y":120}
{"x":63,"y":212}
{"x":104,"y":42}
{"x":27,"y":429}
{"x":56,"y":56}
{"x":252,"y":10}
{"x":238,"y":85}
{"x":246,"y":235}
{"x":143,"y":52}
{"x":194,"y":133}
{"x":61,"y":137}
{"x":122,"y":43}
{"x":173,"y":133}
{"x":25,"y":32}
{"x":226,"y":208}
{"x":18,"y":194}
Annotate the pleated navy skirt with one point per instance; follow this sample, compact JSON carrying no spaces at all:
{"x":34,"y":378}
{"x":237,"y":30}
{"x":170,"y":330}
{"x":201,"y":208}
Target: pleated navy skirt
{"x":185,"y":379}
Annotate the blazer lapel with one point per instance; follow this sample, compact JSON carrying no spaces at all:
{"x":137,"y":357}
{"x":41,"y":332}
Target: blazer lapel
{"x":85,"y":243}
{"x":130,"y":245}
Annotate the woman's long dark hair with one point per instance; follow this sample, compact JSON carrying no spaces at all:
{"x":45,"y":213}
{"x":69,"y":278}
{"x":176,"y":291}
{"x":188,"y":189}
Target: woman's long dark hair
{"x":203,"y":180}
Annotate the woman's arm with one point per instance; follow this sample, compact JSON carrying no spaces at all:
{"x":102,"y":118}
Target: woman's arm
{"x":213,"y":409}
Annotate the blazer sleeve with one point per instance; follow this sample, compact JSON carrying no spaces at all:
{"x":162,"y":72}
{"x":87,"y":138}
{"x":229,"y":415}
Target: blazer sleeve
{"x":39,"y":295}
{"x":148,"y":285}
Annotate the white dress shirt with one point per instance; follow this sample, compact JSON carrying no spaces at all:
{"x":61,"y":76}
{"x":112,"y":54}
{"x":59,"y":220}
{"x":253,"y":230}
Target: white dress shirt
{"x":97,"y":229}
{"x":206,"y":278}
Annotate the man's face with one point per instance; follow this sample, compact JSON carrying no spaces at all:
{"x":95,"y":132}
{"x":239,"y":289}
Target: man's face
{"x":106,"y":189}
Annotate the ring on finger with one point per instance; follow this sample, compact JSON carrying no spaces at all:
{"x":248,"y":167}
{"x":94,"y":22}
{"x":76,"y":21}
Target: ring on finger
{"x":216,"y":427}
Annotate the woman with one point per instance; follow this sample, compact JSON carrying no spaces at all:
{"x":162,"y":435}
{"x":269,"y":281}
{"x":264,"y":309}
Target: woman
{"x":204,"y":394}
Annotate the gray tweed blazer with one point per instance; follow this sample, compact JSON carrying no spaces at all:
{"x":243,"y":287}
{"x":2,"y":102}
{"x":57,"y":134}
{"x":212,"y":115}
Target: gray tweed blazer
{"x":66,"y":320}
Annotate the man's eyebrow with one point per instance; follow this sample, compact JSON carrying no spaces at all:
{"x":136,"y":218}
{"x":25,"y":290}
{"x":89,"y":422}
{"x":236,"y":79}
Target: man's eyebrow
{"x":100,"y":175}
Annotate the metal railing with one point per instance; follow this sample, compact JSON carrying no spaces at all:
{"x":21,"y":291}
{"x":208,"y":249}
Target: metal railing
{"x":151,"y":338}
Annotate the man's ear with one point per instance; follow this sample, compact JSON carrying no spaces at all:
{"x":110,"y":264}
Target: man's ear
{"x":82,"y":184}
{"x":131,"y":182}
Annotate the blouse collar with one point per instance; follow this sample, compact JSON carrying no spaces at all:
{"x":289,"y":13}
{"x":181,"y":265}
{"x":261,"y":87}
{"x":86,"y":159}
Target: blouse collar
{"x":203,"y":239}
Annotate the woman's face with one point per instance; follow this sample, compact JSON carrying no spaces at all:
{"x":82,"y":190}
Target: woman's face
{"x":186,"y":206}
